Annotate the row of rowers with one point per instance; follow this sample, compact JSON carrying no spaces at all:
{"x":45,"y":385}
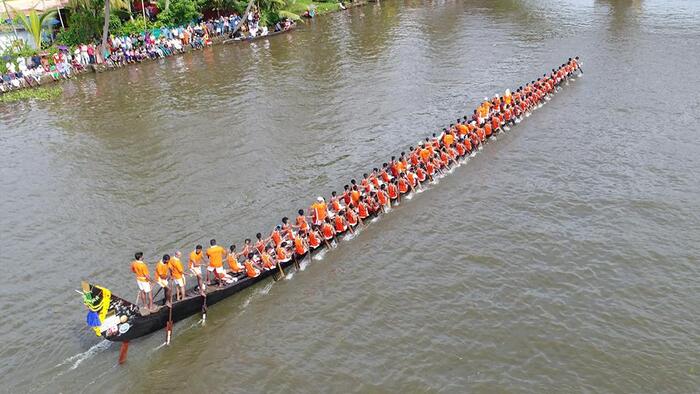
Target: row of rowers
{"x":373,"y":194}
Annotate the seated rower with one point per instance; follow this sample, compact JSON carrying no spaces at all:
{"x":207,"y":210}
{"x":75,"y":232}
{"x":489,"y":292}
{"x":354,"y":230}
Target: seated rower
{"x":335,"y":204}
{"x":383,"y":198}
{"x":314,"y":239}
{"x":327,"y":231}
{"x":351,"y":218}
{"x":232,"y":261}
{"x":276,"y":235}
{"x":287,"y":231}
{"x":247,"y":247}
{"x":177,"y":273}
{"x":300,"y":245}
{"x":250,"y":268}
{"x":261,"y":244}
{"x":268,"y":262}
{"x":302,"y":223}
{"x":393,"y":191}
{"x":339,"y":222}
{"x":282,"y":255}
{"x":362,"y":209}
{"x":355,"y":195}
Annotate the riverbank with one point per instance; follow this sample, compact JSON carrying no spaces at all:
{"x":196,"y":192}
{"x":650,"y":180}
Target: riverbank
{"x":299,"y":7}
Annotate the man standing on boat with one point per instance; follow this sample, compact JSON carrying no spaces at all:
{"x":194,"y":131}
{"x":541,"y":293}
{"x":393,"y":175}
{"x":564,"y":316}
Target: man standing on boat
{"x":177,"y":272}
{"x":140,"y":269}
{"x":216,"y":255}
{"x":163,"y":276}
{"x":195,"y":265}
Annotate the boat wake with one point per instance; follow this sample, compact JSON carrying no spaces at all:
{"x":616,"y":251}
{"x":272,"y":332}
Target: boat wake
{"x":80,"y":357}
{"x":319,"y":255}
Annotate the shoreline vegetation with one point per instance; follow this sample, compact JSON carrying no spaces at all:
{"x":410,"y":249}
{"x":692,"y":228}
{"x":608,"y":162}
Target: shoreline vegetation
{"x":42,"y":86}
{"x":40,"y":93}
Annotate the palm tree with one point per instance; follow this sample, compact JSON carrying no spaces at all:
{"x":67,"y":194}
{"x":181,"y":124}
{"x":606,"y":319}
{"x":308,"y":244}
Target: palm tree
{"x":118,"y":4}
{"x":34,"y":24}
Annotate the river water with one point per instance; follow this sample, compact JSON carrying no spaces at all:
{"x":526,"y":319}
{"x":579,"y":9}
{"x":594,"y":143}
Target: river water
{"x":562,"y":258}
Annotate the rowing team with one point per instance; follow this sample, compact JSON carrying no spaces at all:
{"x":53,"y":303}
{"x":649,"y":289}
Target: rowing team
{"x":375,"y":193}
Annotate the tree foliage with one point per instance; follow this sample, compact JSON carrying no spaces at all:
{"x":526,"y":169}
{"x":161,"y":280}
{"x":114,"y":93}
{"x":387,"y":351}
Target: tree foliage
{"x":179,"y":12}
{"x":34,"y":24}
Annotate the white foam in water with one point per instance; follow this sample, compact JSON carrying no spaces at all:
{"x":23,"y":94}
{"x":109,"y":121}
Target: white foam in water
{"x":472,"y":154}
{"x":80,"y":357}
{"x":266,"y":289}
{"x":506,"y":128}
{"x":321,"y":253}
{"x":348,"y":236}
{"x":374,"y":219}
{"x":410,"y":196}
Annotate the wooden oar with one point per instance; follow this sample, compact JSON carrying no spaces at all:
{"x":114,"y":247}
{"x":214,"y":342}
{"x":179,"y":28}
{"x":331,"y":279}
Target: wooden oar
{"x":204,"y":309}
{"x":169,"y":326}
{"x":296,"y":263}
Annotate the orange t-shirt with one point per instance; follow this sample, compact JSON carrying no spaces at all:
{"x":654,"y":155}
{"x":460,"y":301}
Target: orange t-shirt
{"x":216,"y":256}
{"x":249,"y":269}
{"x":161,"y":270}
{"x":448,"y":139}
{"x":176,"y":268}
{"x":140,"y":269}
{"x":195,"y":259}
{"x":233,"y":263}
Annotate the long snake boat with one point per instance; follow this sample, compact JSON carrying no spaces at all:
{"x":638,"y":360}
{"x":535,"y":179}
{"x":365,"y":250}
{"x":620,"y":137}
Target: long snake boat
{"x":117,"y":319}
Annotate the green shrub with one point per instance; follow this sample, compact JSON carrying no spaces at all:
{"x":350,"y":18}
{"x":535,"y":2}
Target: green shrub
{"x":179,"y":13}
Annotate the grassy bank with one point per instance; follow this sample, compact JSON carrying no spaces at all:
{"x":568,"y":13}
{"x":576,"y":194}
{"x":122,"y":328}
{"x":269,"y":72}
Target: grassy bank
{"x":39,"y":93}
{"x":300,"y":6}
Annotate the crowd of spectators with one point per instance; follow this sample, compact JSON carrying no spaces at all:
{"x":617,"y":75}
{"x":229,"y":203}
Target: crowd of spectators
{"x":25,"y":72}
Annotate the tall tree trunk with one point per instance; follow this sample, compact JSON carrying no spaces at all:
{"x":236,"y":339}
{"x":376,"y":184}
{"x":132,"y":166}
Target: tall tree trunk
{"x":105,"y":27}
{"x":131,"y":15}
{"x":244,"y":18}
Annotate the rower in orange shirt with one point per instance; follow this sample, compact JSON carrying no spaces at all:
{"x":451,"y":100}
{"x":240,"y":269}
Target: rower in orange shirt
{"x":266,"y":258}
{"x":140,"y":269}
{"x":163,"y":276}
{"x":177,"y":272}
{"x":251,"y":270}
{"x":302,"y":224}
{"x":327,"y":231}
{"x":314,"y":239}
{"x":216,"y":255}
{"x":232,"y":260}
{"x":195,"y":265}
{"x":300,"y":246}
{"x":281,"y":252}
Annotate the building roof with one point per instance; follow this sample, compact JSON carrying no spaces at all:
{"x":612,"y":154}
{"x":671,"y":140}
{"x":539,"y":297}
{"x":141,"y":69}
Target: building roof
{"x":40,"y":6}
